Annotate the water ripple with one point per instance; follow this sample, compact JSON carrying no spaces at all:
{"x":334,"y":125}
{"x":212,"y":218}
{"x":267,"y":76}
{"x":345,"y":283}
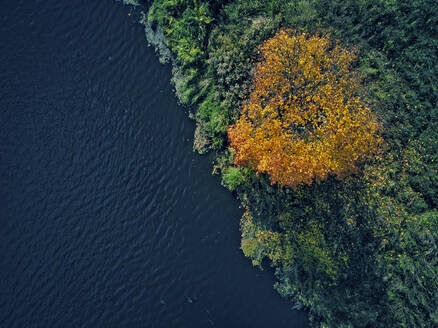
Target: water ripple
{"x":107,"y":217}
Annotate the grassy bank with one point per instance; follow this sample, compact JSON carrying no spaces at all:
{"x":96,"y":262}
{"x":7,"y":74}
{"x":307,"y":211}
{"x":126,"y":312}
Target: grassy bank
{"x":356,"y":252}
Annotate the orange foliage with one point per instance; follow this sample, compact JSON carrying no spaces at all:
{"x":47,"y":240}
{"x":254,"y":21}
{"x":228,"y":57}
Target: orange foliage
{"x":303,"y":120}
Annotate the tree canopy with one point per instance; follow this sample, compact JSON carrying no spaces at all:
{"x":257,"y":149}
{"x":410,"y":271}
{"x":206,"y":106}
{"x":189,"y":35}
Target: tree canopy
{"x":304,"y":119}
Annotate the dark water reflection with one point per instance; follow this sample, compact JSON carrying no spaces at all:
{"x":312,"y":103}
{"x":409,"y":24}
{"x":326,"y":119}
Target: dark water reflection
{"x":108,"y":218}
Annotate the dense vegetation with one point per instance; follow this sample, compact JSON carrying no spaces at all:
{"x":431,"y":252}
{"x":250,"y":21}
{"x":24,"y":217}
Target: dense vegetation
{"x":356,"y":252}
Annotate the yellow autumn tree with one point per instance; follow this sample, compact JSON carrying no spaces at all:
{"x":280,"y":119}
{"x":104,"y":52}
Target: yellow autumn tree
{"x":304,"y":119}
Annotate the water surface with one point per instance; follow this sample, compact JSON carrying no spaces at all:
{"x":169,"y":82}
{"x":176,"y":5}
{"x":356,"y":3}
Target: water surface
{"x":107,"y":217}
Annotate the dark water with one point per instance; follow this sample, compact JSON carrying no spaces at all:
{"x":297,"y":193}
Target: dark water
{"x":107,"y":217}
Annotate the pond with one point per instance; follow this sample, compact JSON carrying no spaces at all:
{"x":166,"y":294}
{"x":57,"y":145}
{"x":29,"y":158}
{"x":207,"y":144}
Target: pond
{"x":108,"y":218}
